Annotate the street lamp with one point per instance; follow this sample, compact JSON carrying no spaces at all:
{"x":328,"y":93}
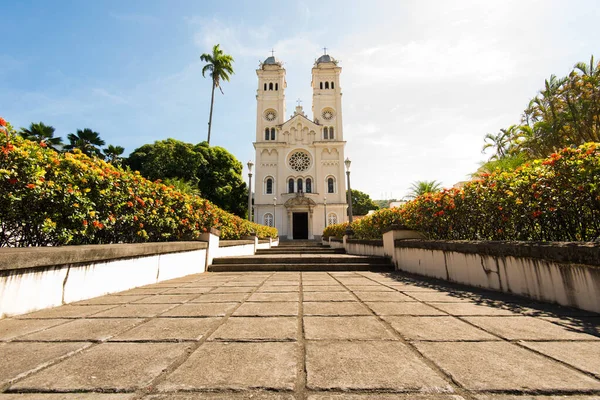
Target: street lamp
{"x":325,"y":211}
{"x":274,"y":204}
{"x":349,"y":229}
{"x":250,"y":165}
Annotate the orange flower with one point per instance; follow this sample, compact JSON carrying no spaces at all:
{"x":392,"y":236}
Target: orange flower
{"x":2,"y":122}
{"x":30,"y":186}
{"x":130,"y":204}
{"x":85,"y":222}
{"x":536,"y":213}
{"x":43,"y":144}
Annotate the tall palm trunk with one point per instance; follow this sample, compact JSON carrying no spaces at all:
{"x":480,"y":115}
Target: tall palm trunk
{"x":212,"y":100}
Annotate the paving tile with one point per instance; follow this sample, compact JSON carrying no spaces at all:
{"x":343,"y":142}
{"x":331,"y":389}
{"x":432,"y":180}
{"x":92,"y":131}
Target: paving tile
{"x":257,"y":329}
{"x":323,"y":288}
{"x":220,"y":298}
{"x":465,"y":309}
{"x":167,"y":299}
{"x":328,"y":296}
{"x":382,"y":296}
{"x":276,"y":288}
{"x":108,"y":367}
{"x":402,"y":308}
{"x":367,"y":366}
{"x":588,"y":325}
{"x":325,"y":282}
{"x":527,"y":328}
{"x":147,"y":291}
{"x":234,"y":289}
{"x":503,"y":366}
{"x":67,"y":396}
{"x":383,"y":396}
{"x":189,"y":290}
{"x":533,"y":397}
{"x":436,"y":328}
{"x":110,"y":299}
{"x":446,"y":297}
{"x":237,"y":366}
{"x":13,"y":328}
{"x":267,"y":309}
{"x":242,"y":283}
{"x":369,"y":288}
{"x":84,"y":330}
{"x":66,"y":311}
{"x":335,"y":308}
{"x":582,"y":355}
{"x":346,"y":328}
{"x":286,"y":296}
{"x":134,"y":311}
{"x":18,"y":359}
{"x":200,"y":310}
{"x":254,"y":395}
{"x":169,"y":329}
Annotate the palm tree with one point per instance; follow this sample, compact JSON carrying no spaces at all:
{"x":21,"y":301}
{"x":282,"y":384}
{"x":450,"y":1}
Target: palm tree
{"x":219,"y":67}
{"x":113,"y":154}
{"x":87,"y":141}
{"x":42,"y":133}
{"x":500,"y":142}
{"x":419,"y":188}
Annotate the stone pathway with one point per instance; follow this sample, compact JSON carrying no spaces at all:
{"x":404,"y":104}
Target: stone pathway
{"x":301,"y":335}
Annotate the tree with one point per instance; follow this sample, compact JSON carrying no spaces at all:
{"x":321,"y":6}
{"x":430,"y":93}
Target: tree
{"x":500,"y":142}
{"x":87,"y":141}
{"x":113,"y":154}
{"x":361,"y":203}
{"x":213,"y":171}
{"x":419,"y":188}
{"x":42,"y":133}
{"x":219,"y":68}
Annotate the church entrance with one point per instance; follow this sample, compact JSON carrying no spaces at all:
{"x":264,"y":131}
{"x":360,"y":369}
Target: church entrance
{"x":300,"y":225}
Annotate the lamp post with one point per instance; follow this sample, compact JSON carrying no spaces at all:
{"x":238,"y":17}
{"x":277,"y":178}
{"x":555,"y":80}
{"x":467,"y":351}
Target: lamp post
{"x":274,"y":204}
{"x":250,"y":165}
{"x":325,"y":210}
{"x":349,"y":229}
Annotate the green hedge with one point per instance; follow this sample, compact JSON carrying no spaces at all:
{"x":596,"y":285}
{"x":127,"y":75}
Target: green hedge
{"x":554,"y":199}
{"x":50,"y":198}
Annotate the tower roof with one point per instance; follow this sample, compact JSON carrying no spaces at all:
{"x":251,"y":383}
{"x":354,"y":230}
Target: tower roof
{"x":326,"y":58}
{"x":271,"y":60}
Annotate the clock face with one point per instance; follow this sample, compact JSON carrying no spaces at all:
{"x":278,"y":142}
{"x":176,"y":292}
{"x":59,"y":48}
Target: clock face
{"x":270,"y":115}
{"x":327,"y":114}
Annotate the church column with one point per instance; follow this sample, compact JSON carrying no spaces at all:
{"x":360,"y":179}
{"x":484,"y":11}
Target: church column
{"x":289,"y":225}
{"x":310,"y":223}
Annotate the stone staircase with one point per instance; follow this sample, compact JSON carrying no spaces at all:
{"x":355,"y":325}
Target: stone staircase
{"x":301,"y":255}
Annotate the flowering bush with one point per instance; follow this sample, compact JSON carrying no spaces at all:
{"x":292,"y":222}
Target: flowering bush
{"x":48,"y":198}
{"x":335,"y":230}
{"x":554,"y":199}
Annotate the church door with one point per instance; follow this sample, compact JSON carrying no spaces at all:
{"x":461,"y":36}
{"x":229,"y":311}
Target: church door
{"x":300,"y":225}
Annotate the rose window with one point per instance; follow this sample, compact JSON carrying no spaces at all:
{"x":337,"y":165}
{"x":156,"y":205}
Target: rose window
{"x":270,"y":115}
{"x":327,"y":114}
{"x":299,"y":161}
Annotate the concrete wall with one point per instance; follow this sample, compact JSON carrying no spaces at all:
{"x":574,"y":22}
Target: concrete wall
{"x":365,"y":247}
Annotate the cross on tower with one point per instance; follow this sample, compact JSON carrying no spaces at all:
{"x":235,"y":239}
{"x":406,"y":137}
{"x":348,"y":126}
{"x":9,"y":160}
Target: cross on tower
{"x":324,"y":50}
{"x":298,"y":101}
{"x":272,"y":52}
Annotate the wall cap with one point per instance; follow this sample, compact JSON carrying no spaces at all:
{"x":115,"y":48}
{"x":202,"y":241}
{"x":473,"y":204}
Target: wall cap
{"x":230,"y":243}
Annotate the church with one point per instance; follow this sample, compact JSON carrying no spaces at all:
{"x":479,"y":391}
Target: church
{"x":300,"y":186}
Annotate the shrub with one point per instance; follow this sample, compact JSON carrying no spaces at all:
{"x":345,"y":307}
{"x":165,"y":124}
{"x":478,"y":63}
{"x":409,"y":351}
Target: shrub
{"x":335,"y":230}
{"x":48,"y":198}
{"x":554,"y":199}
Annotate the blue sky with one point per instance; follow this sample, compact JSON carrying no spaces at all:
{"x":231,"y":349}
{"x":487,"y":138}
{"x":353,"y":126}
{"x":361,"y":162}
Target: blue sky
{"x":423,"y":81}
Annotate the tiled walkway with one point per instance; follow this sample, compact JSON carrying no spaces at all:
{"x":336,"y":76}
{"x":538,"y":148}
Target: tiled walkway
{"x":298,"y":335}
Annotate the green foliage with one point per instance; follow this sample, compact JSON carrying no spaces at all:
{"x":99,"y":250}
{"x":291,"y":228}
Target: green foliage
{"x":505,"y":164}
{"x":566,"y":112}
{"x":113,"y":154}
{"x":552,"y":199}
{"x":49,"y":198}
{"x":215,"y":172}
{"x":335,"y":230}
{"x":361,"y":203}
{"x":41,"y":133}
{"x":87,"y":141}
{"x":419,"y":188}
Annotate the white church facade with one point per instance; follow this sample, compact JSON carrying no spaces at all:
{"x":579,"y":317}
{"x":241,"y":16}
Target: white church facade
{"x":299,"y":179}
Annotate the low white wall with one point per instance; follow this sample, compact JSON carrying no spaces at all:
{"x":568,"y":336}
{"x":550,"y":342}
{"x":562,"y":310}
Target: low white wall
{"x":23,"y":291}
{"x":334,"y":244}
{"x":232,"y":251}
{"x":364,"y":249}
{"x":570,"y":285}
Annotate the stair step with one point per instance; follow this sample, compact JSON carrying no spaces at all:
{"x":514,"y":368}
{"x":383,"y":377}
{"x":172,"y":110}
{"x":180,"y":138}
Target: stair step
{"x":300,"y":251}
{"x":333,"y":259}
{"x":300,"y":267}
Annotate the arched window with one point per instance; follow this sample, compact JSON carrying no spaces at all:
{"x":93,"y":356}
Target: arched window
{"x":308,"y":185}
{"x":272,"y":133}
{"x":326,"y":85}
{"x":291,"y":186}
{"x":300,"y":185}
{"x":331,"y":132}
{"x":266,"y":133}
{"x":332,"y":85}
{"x":265,"y":86}
{"x":325,"y":133}
{"x":268,"y":219}
{"x":321,"y":85}
{"x":330,"y":185}
{"x":277,"y":86}
{"x":269,"y":186}
{"x":271,"y":86}
{"x":331,"y":219}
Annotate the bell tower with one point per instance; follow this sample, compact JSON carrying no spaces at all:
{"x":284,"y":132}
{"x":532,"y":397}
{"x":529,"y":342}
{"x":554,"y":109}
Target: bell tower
{"x":270,"y":97}
{"x":327,"y":97}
